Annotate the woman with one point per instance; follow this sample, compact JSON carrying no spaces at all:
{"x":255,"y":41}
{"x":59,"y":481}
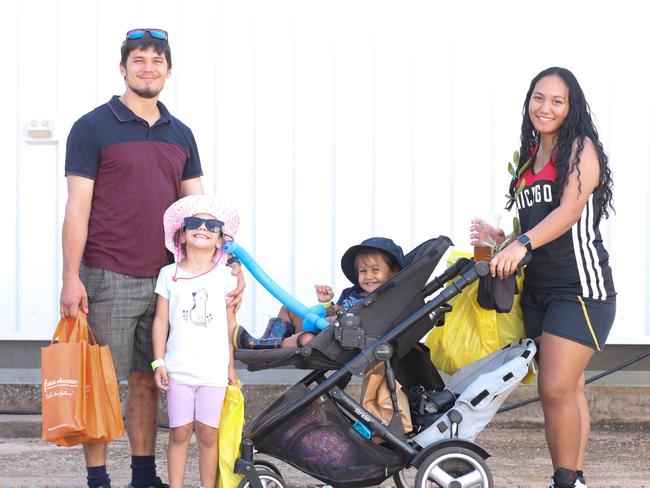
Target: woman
{"x":568,"y":302}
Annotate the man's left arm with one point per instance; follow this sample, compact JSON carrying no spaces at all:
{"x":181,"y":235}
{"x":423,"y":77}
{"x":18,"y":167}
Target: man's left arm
{"x":191,"y":186}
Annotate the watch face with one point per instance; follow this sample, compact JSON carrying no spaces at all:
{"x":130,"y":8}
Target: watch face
{"x":524,"y":240}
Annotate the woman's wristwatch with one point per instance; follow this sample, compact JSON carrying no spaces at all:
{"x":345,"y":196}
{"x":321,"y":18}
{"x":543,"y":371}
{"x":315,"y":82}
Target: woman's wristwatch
{"x":524,"y":240}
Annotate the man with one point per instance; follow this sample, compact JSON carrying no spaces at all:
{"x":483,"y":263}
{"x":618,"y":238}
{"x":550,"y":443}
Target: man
{"x":126,"y":162}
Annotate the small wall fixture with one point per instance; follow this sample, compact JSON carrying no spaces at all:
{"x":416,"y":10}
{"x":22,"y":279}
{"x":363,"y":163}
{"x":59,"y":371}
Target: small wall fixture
{"x":41,"y":129}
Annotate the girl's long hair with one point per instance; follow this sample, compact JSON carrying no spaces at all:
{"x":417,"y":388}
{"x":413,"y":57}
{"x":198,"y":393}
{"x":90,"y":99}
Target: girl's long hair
{"x":577,"y":126}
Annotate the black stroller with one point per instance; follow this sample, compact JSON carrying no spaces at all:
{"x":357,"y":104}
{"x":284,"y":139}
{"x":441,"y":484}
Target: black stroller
{"x":321,"y":430}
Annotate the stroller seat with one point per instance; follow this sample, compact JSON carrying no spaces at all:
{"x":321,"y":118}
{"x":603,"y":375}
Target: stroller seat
{"x":378,"y":313}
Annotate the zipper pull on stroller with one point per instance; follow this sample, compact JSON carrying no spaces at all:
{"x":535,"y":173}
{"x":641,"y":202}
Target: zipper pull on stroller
{"x":455,"y":418}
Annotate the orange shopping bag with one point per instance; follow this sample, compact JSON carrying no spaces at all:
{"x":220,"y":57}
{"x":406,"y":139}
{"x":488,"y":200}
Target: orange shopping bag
{"x":63,"y":379}
{"x":95,"y":431}
{"x":110,"y":396}
{"x":99,"y":404}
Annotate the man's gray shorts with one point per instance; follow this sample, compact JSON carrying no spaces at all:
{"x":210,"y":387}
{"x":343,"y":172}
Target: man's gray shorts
{"x":121,"y":309}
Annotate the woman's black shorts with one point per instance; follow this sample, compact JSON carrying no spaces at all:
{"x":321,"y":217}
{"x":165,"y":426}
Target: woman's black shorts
{"x":574,"y":317}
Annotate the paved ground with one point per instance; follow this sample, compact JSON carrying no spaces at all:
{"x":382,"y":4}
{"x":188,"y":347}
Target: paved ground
{"x":618,"y":457}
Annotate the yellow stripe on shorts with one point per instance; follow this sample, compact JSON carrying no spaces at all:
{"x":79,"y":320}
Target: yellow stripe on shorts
{"x":591,"y":329}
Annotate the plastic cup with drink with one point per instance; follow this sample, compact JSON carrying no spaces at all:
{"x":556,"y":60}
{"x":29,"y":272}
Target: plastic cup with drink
{"x":484,"y":232}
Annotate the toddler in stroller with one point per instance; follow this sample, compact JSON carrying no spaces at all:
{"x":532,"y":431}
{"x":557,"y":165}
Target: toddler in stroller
{"x":367,"y":265}
{"x":321,"y":430}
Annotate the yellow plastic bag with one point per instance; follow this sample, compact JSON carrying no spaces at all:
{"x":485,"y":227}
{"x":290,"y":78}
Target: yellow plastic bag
{"x":471,"y":332}
{"x":231,"y":426}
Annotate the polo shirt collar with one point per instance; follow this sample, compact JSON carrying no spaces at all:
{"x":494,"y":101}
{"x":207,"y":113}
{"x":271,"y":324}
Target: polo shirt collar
{"x":125,"y":114}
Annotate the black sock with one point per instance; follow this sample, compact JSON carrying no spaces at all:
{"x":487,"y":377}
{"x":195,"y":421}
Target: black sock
{"x":97,"y":476}
{"x":564,"y":478}
{"x":143,"y":471}
{"x":581,"y":476}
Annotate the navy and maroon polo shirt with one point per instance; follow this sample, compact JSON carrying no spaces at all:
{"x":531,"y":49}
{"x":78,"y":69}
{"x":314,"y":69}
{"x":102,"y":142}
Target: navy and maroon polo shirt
{"x":138,"y":171}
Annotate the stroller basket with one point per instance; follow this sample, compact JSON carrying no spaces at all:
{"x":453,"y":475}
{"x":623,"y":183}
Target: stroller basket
{"x":320,"y":441}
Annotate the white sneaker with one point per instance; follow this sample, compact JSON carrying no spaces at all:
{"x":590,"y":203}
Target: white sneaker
{"x":578,"y":484}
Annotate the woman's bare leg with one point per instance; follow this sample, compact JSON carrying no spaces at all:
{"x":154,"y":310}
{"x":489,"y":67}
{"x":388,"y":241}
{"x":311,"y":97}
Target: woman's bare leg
{"x":561,"y":366}
{"x":584,"y":422}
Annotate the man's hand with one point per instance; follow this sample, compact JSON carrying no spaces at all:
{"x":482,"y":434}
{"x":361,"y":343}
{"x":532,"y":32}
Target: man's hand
{"x":234,"y":298}
{"x":324,"y":293}
{"x":73,"y":296}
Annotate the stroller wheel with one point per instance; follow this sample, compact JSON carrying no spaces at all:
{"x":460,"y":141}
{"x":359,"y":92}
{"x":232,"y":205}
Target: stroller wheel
{"x":261,"y":464}
{"x":454,"y":467}
{"x":269,"y":479}
{"x":405,"y":478}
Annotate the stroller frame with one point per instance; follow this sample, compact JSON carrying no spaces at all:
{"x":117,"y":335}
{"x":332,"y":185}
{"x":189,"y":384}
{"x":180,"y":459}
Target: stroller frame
{"x":376,"y":352}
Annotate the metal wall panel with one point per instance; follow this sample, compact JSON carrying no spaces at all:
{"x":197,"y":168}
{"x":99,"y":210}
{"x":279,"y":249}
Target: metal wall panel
{"x":325,"y":122}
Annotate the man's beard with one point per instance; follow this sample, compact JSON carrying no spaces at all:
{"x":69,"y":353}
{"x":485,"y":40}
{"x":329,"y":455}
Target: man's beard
{"x":146,"y":92}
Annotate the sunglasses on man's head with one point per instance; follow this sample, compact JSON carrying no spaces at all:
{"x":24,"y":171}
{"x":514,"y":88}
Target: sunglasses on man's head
{"x":193,"y":223}
{"x":155,"y":33}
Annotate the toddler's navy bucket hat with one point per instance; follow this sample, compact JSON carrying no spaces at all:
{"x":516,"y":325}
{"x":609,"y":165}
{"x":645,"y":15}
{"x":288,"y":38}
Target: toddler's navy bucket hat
{"x":380,"y":243}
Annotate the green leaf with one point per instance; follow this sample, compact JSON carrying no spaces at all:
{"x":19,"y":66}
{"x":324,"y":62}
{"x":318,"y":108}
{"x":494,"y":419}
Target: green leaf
{"x":515,"y":157}
{"x":516,"y":226}
{"x":523,"y":168}
{"x":511,"y":170}
{"x":521,"y":187}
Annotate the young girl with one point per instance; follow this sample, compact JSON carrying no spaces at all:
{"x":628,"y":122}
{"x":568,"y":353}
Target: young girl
{"x":193,"y":328}
{"x":367,"y":265}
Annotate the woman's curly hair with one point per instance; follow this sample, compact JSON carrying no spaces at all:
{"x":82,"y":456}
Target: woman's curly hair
{"x":577,"y":127}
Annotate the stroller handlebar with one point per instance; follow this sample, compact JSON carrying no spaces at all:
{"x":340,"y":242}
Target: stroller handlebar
{"x":482,"y":268}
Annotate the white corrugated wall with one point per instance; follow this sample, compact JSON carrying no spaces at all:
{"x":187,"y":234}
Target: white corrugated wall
{"x":325,"y":122}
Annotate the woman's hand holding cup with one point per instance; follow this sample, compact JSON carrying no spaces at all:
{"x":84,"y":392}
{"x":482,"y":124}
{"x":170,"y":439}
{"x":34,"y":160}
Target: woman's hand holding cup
{"x":484,"y":235}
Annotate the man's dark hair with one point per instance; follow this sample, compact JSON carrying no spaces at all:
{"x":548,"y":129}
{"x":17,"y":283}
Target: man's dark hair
{"x":145,"y":42}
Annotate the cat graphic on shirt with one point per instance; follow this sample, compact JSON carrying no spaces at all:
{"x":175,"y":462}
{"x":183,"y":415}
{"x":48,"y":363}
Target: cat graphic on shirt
{"x":198,"y":314}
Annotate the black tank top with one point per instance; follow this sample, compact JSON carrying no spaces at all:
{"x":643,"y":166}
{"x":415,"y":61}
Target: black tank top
{"x":576,"y":262}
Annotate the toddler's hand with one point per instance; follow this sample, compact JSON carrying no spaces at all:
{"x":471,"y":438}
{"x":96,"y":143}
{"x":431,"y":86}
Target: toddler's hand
{"x":160,"y":378}
{"x":324,"y":293}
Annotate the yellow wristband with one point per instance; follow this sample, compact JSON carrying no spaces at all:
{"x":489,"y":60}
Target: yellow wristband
{"x":156,"y":363}
{"x":327,"y":304}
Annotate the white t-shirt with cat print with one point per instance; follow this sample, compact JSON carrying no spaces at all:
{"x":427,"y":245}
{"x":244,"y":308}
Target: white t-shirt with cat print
{"x":197,"y":347}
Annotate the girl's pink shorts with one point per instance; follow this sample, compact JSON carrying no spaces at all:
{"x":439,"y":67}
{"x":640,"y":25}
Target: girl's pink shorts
{"x":186,"y":403}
